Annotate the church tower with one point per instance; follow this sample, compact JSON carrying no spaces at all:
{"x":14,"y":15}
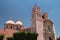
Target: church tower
{"x":37,"y":22}
{"x":49,"y":29}
{"x":42,"y":25}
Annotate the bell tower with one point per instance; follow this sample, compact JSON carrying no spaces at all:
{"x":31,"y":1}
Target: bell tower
{"x":49,"y":29}
{"x":37,"y":22}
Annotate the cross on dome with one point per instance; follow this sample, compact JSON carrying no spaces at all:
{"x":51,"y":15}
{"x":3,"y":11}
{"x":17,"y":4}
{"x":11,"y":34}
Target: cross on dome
{"x":18,"y":19}
{"x":11,"y":18}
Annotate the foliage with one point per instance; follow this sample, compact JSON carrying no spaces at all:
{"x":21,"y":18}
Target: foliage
{"x":25,"y":36}
{"x":10,"y":38}
{"x":1,"y":37}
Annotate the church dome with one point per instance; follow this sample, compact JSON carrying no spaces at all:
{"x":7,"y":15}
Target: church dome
{"x":10,"y":22}
{"x":19,"y":22}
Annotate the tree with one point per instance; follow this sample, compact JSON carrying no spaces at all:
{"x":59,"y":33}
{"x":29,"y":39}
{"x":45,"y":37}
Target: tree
{"x":25,"y":36}
{"x":10,"y":38}
{"x":1,"y":36}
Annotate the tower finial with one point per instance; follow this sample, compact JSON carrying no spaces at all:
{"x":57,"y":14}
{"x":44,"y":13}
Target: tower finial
{"x":18,"y":19}
{"x":36,"y":9}
{"x":35,"y":5}
{"x":11,"y":18}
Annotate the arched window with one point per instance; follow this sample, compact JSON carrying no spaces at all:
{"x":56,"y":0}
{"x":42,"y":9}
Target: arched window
{"x":11,"y":27}
{"x":48,"y":28}
{"x":50,"y":38}
{"x":6,"y":26}
{"x":17,"y":28}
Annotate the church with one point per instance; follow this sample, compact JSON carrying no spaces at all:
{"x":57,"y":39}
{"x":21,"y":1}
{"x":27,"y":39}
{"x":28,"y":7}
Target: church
{"x":39,"y":24}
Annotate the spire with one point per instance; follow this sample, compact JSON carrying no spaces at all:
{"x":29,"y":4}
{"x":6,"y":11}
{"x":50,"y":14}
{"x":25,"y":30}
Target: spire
{"x":36,"y":6}
{"x":36,"y":9}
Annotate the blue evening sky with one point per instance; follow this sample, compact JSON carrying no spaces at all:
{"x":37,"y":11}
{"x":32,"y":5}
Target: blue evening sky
{"x":23,"y":9}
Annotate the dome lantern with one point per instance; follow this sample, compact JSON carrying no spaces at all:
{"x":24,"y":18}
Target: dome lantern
{"x":19,"y":22}
{"x":10,"y":21}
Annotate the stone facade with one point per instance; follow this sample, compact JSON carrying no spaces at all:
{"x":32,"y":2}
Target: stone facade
{"x":40,"y":24}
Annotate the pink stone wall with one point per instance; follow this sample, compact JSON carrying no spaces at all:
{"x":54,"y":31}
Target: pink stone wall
{"x":7,"y":32}
{"x":39,"y":27}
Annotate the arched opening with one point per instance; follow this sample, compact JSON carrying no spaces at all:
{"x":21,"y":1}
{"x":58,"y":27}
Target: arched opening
{"x":6,"y":26}
{"x":11,"y":27}
{"x":48,"y":28}
{"x":50,"y":38}
{"x":17,"y":27}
